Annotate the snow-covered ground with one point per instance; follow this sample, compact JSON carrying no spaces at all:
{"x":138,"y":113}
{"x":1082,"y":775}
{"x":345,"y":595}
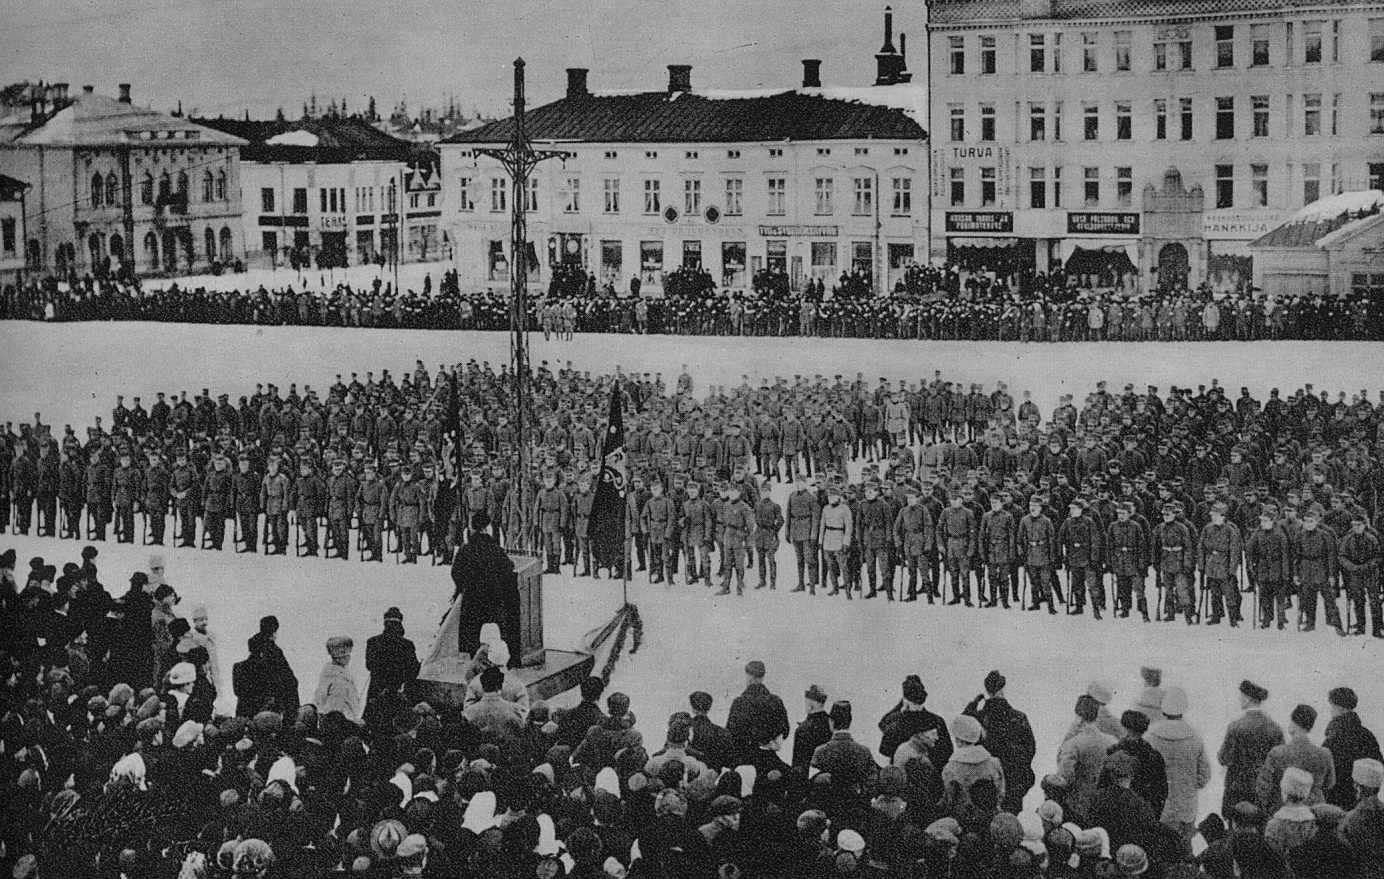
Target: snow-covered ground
{"x":861,"y":651}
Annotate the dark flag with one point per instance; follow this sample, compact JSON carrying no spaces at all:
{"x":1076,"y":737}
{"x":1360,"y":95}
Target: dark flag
{"x":605,"y":526}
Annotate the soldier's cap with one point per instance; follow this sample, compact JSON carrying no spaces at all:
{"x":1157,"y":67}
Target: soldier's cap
{"x":1358,"y":518}
{"x":1170,"y":508}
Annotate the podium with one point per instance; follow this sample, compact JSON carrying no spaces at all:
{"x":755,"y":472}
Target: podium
{"x":544,"y":672}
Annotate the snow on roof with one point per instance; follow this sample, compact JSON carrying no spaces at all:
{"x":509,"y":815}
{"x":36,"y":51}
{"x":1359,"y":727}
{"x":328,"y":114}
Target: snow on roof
{"x":1324,"y":210}
{"x":298,"y":138}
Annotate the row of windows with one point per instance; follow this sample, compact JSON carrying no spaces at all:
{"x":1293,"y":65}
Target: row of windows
{"x":107,"y":192}
{"x":332,"y":200}
{"x":1320,"y":115}
{"x":776,"y":192}
{"x":1045,"y":185}
{"x":1172,"y":50}
{"x":774,"y":153}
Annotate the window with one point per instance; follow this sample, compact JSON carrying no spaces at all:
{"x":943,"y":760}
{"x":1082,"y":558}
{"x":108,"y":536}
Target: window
{"x":1090,"y":115}
{"x":863,"y":257}
{"x":98,"y":190}
{"x":692,"y":197}
{"x":1092,"y":187}
{"x":823,"y":151}
{"x":1225,"y":119}
{"x":823,"y":260}
{"x":610,"y":154}
{"x":776,"y":256}
{"x":693,"y":154}
{"x":775,"y":152}
{"x":958,"y":123}
{"x":1037,"y":53}
{"x":499,"y":188}
{"x":1184,"y":55}
{"x":987,"y":122}
{"x":300,"y":200}
{"x":464,"y":196}
{"x":1311,"y":182}
{"x":531,"y":195}
{"x":958,"y":186}
{"x":778,"y":197}
{"x":1123,"y":41}
{"x":691,"y":254}
{"x":1088,"y":53}
{"x":1375,"y":171}
{"x":824,"y":191}
{"x":1312,"y":42}
{"x":8,"y":242}
{"x":1037,"y":122}
{"x":165,"y":188}
{"x":987,"y":55}
{"x":1160,"y":119}
{"x":732,"y":154}
{"x":1056,"y":53}
{"x":112,"y":189}
{"x":1288,"y":42}
{"x":208,"y":186}
{"x":987,"y":187}
{"x":1124,"y":121}
{"x":1336,"y":41}
{"x":1225,"y":45}
{"x":1160,"y":56}
{"x":903,"y":197}
{"x":612,"y":260}
{"x":1367,"y":286}
{"x":900,"y":151}
{"x":1259,"y":45}
{"x":432,"y":200}
{"x":653,"y":197}
{"x":651,"y":154}
{"x":322,"y":198}
{"x":1312,"y":115}
{"x":864,"y":203}
{"x":1185,"y":109}
{"x":862,"y":151}
{"x":1259,"y":185}
{"x":220,"y":185}
{"x":1225,"y":186}
{"x":1057,"y":121}
{"x":1057,"y":186}
{"x":958,"y":55}
{"x":1336,"y":114}
{"x":1037,"y":188}
{"x":1260,"y":107}
{"x":610,"y":192}
{"x":1376,"y":112}
{"x":1377,"y":40}
{"x":734,"y":189}
{"x":732,"y":264}
{"x":1124,"y":187}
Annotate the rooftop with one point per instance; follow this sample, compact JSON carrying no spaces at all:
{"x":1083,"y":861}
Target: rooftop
{"x":720,"y":117}
{"x":323,"y":140}
{"x":99,"y":120}
{"x":943,"y":12}
{"x":11,"y":189}
{"x":1309,"y":226}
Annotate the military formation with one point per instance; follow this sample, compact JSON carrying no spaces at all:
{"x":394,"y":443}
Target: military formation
{"x":1169,"y":506}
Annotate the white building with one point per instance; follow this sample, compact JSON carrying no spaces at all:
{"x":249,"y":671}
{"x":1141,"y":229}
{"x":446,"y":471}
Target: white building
{"x":1170,"y":132}
{"x":12,"y":223}
{"x":326,"y":188}
{"x":809,"y":182}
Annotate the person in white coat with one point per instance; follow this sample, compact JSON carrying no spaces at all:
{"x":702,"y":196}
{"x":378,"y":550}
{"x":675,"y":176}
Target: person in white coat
{"x":336,"y":687}
{"x":1187,"y":763}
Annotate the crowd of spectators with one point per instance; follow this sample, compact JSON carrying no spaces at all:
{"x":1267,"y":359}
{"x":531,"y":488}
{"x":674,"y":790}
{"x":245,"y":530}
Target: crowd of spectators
{"x":928,"y":302}
{"x":115,"y":763}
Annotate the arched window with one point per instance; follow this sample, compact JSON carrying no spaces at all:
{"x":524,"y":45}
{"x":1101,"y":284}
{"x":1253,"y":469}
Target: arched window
{"x":151,"y":250}
{"x":146,"y":191}
{"x":117,"y":248}
{"x":94,"y":248}
{"x":112,"y":189}
{"x":182,"y":185}
{"x":210,"y":238}
{"x":225,"y":243}
{"x":208,"y":187}
{"x":98,"y":190}
{"x":220,"y":185}
{"x":165,"y":188}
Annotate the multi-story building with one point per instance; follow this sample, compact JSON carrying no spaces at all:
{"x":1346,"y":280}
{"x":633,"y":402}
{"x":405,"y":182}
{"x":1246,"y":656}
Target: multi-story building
{"x":1153,"y":135}
{"x":809,"y":182}
{"x":113,"y":184}
{"x":325,"y":189}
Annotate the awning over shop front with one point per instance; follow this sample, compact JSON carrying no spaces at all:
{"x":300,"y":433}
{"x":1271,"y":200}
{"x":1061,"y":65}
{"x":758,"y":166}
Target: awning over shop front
{"x":979,"y":241}
{"x":1129,"y":247}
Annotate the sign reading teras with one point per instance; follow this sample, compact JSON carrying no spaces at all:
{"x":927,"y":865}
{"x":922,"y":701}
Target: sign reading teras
{"x":1126,"y":223}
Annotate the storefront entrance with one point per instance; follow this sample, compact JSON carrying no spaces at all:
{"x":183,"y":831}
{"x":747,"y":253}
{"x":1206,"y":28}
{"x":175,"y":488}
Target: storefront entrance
{"x":1173,"y":267}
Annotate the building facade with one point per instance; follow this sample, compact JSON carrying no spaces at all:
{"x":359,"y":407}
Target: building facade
{"x":13,"y":220}
{"x":1149,"y":139}
{"x":320,"y":191}
{"x":113,"y":185}
{"x":808,"y":182}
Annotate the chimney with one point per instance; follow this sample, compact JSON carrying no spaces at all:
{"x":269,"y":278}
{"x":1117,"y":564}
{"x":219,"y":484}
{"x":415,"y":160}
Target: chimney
{"x":88,"y":89}
{"x":812,"y":73}
{"x":679,"y":78}
{"x":124,"y":93}
{"x":576,"y":82}
{"x":903,"y":48}
{"x":888,"y":47}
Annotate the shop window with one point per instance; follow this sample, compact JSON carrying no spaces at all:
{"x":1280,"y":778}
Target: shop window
{"x":651,"y":263}
{"x":733,"y":264}
{"x":612,"y":262}
{"x":776,"y":256}
{"x":823,"y":258}
{"x":863,"y":257}
{"x":692,"y":254}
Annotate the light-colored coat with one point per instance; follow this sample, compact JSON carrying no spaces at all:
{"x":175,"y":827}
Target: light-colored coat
{"x":336,"y":691}
{"x":1188,"y":768}
{"x":1080,"y":760}
{"x":968,"y":765}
